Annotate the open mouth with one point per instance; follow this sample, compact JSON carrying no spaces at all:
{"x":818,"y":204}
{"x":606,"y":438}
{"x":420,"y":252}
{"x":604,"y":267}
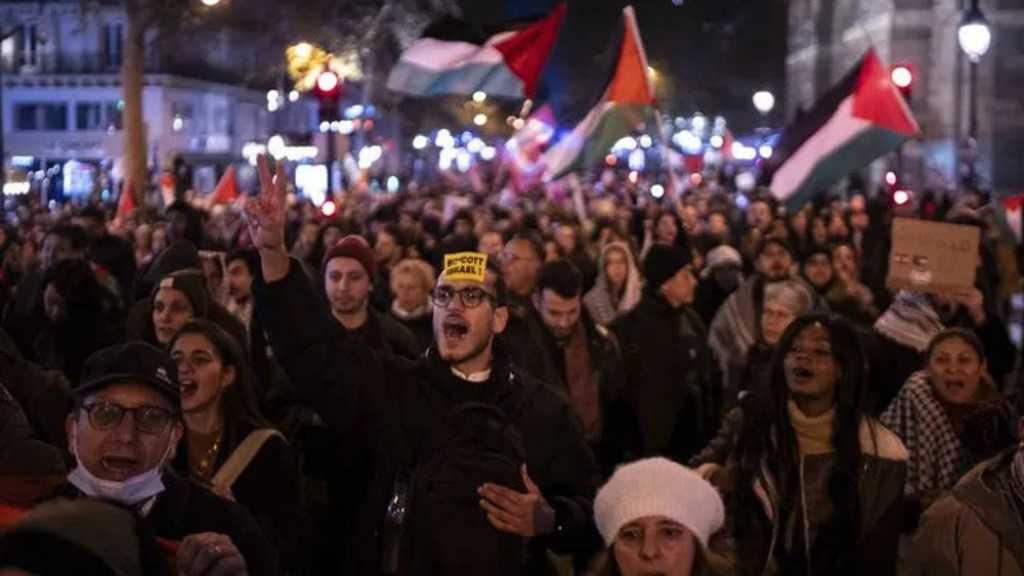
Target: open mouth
{"x":955,"y":385}
{"x":188,"y":387}
{"x":801,"y":374}
{"x":119,"y":465}
{"x":455,"y":329}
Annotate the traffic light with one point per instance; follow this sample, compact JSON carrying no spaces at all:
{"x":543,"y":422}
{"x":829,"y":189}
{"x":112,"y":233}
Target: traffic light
{"x":328,"y":92}
{"x":903,"y":77}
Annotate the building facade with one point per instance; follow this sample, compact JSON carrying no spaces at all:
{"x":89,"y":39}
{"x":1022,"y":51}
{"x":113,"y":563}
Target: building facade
{"x":827,"y":37}
{"x":62,"y":95}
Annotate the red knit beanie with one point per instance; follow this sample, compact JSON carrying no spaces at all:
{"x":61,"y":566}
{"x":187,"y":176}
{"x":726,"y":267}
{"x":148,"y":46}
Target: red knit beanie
{"x":355,"y":247}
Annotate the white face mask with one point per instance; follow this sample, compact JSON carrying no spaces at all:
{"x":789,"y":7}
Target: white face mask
{"x":128,"y":492}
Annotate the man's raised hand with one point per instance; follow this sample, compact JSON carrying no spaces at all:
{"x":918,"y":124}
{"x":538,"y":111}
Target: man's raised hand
{"x":265,"y":217}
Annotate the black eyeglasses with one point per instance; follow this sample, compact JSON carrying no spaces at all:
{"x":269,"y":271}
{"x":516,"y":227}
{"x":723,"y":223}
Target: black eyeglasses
{"x":470,"y":297}
{"x":148,"y":419}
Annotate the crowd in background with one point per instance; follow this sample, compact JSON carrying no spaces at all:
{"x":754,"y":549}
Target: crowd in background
{"x":780,"y":409}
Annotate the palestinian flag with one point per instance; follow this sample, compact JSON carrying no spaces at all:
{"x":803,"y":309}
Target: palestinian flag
{"x":455,"y":57}
{"x":1008,"y":215}
{"x":626,"y":105}
{"x":858,"y":120}
{"x":226,"y":191}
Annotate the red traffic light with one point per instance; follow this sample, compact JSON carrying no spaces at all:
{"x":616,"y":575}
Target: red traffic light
{"x":327,"y":81}
{"x":902,"y":76}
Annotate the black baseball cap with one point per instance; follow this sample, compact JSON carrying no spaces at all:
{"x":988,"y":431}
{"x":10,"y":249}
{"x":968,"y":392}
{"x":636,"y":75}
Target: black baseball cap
{"x":136,"y":362}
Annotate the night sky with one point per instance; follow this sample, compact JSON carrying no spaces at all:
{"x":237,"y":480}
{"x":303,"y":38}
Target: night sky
{"x":712,"y":55}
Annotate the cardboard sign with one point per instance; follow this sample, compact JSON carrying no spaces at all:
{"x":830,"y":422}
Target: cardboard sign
{"x":932,"y":256}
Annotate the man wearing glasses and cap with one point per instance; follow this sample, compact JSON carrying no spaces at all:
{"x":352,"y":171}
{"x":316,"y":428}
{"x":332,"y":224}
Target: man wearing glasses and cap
{"x":123,"y":429}
{"x":392,"y":420}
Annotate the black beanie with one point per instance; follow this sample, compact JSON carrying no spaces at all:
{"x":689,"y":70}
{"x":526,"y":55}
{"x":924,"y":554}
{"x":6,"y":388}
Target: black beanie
{"x":663,"y":262}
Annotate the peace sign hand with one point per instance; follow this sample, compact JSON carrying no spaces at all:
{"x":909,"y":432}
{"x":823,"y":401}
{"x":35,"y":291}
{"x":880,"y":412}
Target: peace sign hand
{"x":265,"y":218}
{"x":265,"y":214}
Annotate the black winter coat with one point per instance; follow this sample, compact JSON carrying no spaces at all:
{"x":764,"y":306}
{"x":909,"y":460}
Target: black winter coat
{"x":673,"y":383}
{"x":619,"y":433}
{"x":268,"y":488}
{"x":184,"y":508}
{"x":381,"y":407}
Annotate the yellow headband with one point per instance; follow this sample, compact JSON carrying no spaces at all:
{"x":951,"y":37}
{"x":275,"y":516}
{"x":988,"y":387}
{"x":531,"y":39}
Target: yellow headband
{"x":470,"y":266}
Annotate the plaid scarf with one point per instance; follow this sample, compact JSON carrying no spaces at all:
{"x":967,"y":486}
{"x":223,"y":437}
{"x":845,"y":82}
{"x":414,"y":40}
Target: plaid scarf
{"x":937,"y":458}
{"x":911,"y":320}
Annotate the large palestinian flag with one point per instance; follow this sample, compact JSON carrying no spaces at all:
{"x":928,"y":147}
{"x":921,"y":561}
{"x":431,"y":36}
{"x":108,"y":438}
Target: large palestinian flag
{"x":626,"y":105}
{"x":455,"y":57}
{"x":858,"y":120}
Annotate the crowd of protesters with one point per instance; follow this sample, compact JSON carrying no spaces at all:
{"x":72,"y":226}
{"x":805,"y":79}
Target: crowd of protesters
{"x":580,"y":379}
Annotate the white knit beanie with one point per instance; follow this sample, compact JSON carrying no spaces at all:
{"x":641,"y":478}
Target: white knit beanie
{"x":658,"y":487}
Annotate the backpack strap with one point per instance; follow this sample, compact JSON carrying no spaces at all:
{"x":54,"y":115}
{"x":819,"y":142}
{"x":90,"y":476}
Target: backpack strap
{"x":239,"y":460}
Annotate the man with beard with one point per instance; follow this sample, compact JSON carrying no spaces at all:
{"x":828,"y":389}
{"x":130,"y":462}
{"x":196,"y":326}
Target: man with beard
{"x":582,"y":359}
{"x":348,"y":273}
{"x":392,"y":417}
{"x":977,"y":527}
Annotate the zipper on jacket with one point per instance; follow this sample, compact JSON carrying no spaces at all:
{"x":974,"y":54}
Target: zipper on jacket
{"x":807,"y":524}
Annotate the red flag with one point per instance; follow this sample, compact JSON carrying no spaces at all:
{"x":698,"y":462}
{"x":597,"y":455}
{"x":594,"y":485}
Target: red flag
{"x":126,"y":204}
{"x":226,"y":191}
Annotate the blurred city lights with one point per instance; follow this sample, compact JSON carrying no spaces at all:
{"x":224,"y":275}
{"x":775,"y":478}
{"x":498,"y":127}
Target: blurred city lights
{"x":293,"y":96}
{"x":890,"y":178}
{"x":328,"y":208}
{"x":657,"y":191}
{"x":479,"y":96}
{"x":488,"y":153}
{"x":717,"y":141}
{"x":327,"y":81}
{"x":475,"y":145}
{"x":444,"y":139}
{"x":765,"y":151}
{"x":764,"y":101}
{"x":626,"y":143}
{"x":303,"y":50}
{"x":420,"y":142}
{"x":393,"y":184}
{"x":902,"y":77}
{"x":901,"y":197}
{"x":646,"y":141}
{"x":480,"y":119}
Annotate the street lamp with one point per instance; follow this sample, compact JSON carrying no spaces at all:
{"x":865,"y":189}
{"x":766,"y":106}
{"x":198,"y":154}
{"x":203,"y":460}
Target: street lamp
{"x":975,"y":38}
{"x":974,"y":33}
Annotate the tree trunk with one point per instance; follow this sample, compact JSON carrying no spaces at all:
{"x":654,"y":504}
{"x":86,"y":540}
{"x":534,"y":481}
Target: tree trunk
{"x":134,"y":135}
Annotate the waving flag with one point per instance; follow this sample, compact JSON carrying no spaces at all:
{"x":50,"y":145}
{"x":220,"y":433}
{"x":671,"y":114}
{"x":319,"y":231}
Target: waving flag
{"x":126,"y":203}
{"x":226,"y":191}
{"x":454,"y":57}
{"x":1008,"y":215}
{"x":627,"y":103}
{"x":858,"y":120}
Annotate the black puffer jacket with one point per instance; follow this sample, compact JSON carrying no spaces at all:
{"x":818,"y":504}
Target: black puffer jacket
{"x":381,"y":407}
